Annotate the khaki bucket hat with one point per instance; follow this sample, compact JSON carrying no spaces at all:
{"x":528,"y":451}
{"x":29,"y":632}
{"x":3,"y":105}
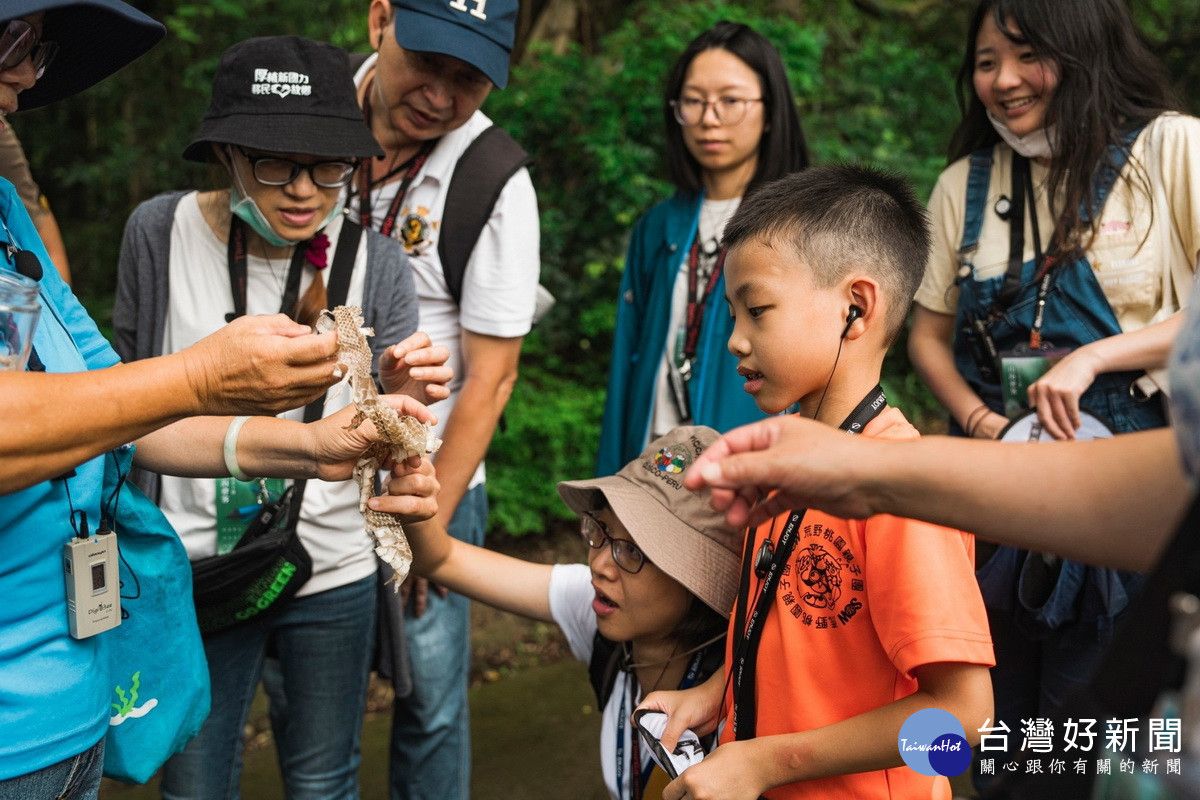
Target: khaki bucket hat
{"x":676,"y":528}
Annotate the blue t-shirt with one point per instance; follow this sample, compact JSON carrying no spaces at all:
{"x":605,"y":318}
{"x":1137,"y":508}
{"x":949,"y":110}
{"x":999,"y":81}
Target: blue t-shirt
{"x":54,"y":690}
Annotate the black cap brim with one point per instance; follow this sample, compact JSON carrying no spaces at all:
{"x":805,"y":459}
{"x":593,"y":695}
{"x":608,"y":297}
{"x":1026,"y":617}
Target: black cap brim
{"x":330,"y":137}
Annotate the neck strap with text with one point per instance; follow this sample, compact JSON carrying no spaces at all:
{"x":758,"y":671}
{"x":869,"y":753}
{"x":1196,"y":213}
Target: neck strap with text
{"x":748,"y":628}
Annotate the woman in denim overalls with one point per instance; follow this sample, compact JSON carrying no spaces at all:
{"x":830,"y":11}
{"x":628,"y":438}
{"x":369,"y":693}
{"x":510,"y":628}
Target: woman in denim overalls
{"x":1068,"y":219}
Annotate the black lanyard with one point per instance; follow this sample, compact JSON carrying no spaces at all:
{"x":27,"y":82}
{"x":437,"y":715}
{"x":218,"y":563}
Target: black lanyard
{"x":696,"y":303}
{"x":414,"y":166}
{"x":238,"y":272}
{"x":748,"y":630}
{"x":1023,"y":197}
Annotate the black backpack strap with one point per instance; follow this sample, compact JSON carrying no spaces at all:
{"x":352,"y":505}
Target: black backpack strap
{"x":479,"y":176}
{"x":603,"y":668}
{"x":338,"y":285}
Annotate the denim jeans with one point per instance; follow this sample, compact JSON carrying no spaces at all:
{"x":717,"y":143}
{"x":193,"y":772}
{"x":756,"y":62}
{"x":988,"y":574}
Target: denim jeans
{"x":431,"y":735}
{"x":323,"y":643}
{"x":74,"y":778}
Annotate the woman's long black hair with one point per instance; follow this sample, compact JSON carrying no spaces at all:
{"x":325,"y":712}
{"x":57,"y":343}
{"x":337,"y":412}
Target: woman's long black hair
{"x":1109,"y":83}
{"x":782,"y":148}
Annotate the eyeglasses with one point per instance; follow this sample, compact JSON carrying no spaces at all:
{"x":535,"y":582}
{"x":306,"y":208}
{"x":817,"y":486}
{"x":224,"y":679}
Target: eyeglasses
{"x":276,"y":171}
{"x":689,"y":111}
{"x":627,"y":555}
{"x":20,"y":41}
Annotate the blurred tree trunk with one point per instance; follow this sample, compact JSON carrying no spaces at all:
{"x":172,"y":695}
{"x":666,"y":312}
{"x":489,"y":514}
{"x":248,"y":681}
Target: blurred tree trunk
{"x":560,"y":22}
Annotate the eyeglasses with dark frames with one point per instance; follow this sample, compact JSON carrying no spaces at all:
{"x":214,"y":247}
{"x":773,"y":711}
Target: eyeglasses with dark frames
{"x":625,"y":554}
{"x":19,"y":41}
{"x":690,"y":111}
{"x":278,"y":171}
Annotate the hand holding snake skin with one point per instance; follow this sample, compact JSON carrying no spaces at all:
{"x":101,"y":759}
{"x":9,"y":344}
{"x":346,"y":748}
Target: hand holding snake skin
{"x":400,"y":437}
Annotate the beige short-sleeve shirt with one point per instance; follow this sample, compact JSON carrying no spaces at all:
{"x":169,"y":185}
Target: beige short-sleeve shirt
{"x":1145,"y":251}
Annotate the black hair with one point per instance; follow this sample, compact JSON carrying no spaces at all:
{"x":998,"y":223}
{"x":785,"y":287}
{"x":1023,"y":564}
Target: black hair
{"x":844,"y":217}
{"x":1109,"y":84}
{"x":700,"y":625}
{"x":781,"y":149}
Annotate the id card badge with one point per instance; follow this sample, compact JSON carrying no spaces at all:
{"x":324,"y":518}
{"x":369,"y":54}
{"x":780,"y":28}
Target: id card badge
{"x":238,"y":503}
{"x":1019,"y":369}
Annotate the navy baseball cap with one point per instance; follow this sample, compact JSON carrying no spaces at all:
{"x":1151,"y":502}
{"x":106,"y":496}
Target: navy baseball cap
{"x":479,"y":32}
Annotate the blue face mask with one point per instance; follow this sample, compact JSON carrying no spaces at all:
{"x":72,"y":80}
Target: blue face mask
{"x":245,"y":209}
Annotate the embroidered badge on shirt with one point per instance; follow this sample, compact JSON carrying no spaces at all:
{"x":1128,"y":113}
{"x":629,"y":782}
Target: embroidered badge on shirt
{"x":415,"y":231}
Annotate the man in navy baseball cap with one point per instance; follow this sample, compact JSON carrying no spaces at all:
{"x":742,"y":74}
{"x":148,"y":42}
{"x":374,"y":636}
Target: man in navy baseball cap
{"x":479,"y":32}
{"x":435,"y":62}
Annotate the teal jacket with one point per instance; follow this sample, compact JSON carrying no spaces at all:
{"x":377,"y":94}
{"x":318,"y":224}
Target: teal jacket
{"x":661,"y":240}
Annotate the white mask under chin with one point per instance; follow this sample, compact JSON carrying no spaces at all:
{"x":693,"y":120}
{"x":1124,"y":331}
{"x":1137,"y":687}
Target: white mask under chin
{"x":1039,"y":144}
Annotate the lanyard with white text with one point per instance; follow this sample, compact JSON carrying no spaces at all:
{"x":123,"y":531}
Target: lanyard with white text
{"x":639,"y":777}
{"x":748,"y":629}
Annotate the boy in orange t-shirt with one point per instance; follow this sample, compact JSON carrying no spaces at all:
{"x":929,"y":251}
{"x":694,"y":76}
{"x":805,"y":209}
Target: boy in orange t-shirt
{"x":864,"y":621}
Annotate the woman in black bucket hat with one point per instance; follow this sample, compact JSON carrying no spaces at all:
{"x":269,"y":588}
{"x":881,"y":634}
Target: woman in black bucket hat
{"x":71,"y":410}
{"x":284,"y":125}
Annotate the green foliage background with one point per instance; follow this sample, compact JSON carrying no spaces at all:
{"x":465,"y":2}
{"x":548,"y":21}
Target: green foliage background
{"x":873,"y":80}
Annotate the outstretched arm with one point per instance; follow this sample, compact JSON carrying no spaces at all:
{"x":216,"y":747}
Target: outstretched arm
{"x":268,"y":447}
{"x":254,"y":365}
{"x":500,"y":581}
{"x":1077,"y":499}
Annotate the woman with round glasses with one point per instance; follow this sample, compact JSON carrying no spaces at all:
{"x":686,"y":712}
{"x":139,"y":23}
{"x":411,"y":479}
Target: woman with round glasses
{"x":649,"y":609}
{"x":731,"y":125}
{"x":285,"y":126}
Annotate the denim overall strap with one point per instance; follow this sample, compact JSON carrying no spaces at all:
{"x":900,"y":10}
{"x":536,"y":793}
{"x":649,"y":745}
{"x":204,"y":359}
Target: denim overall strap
{"x":977,"y":187}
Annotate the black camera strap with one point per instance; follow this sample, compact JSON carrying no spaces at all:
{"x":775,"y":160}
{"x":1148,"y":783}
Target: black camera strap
{"x":748,"y":628}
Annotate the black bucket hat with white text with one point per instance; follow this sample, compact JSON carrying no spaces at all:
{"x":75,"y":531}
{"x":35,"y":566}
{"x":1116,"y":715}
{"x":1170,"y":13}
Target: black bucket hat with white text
{"x":95,"y":39}
{"x":284,"y":94}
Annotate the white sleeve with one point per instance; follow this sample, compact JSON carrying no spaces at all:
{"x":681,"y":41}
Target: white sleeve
{"x":500,"y":283}
{"x":571,"y":595}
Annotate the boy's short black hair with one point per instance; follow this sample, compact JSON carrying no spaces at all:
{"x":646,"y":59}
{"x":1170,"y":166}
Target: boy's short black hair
{"x":840,"y":218}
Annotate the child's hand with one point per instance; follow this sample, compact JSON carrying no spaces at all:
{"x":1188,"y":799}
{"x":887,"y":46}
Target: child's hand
{"x":411,"y":492}
{"x":731,"y":772}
